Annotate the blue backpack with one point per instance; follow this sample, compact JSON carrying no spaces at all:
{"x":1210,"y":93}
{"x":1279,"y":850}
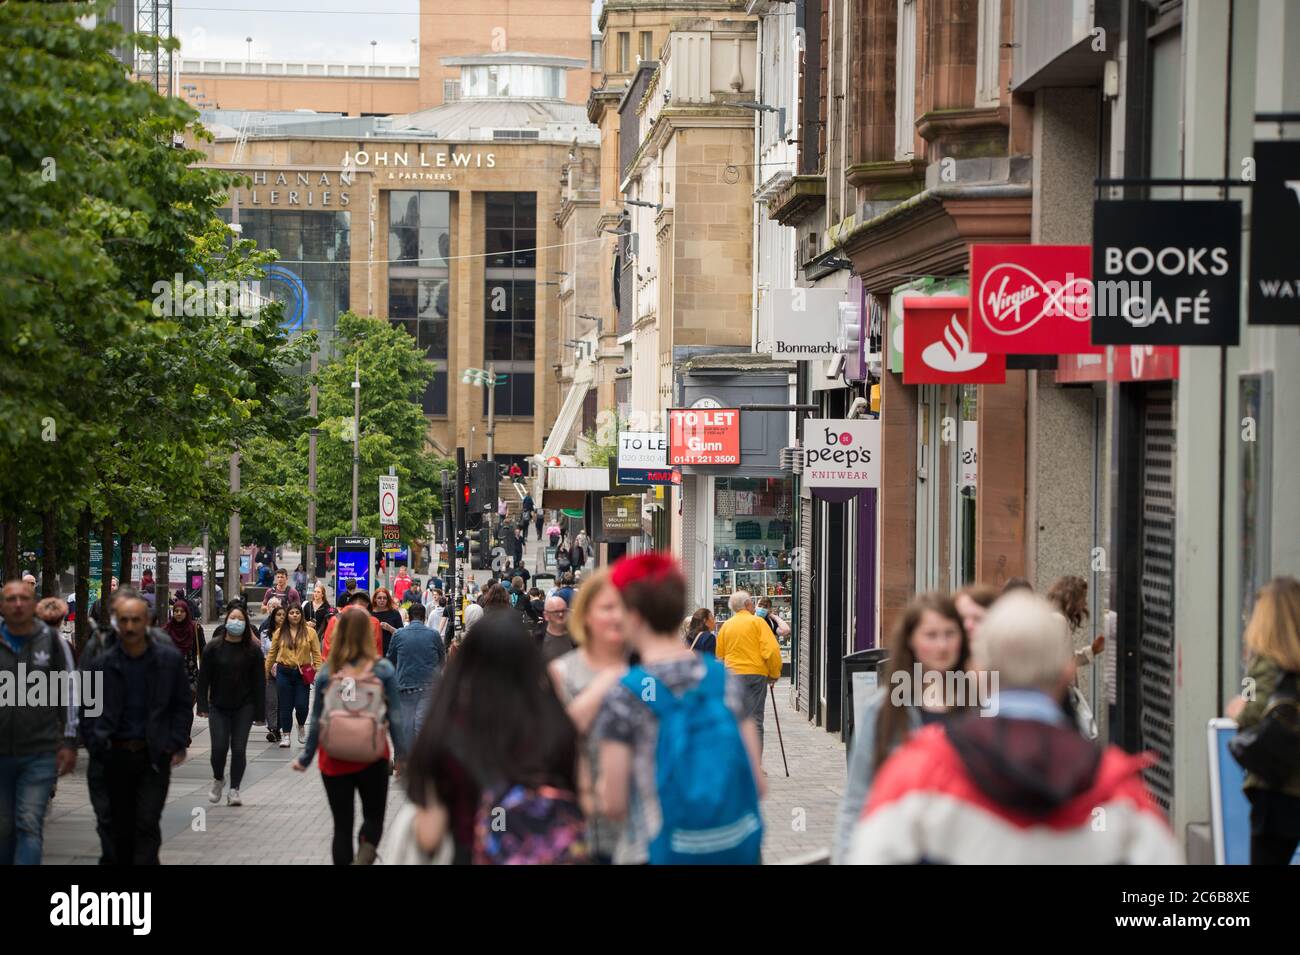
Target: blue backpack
{"x":707,"y":794}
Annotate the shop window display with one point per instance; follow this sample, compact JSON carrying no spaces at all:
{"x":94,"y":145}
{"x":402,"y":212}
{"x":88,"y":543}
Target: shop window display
{"x":753,"y":534}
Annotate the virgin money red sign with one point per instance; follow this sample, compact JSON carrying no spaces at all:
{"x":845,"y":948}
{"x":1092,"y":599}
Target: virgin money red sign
{"x":937,"y":348}
{"x":1031,"y":299}
{"x":703,"y":436}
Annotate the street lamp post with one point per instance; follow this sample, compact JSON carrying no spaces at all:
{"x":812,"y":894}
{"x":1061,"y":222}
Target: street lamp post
{"x":356,"y":442}
{"x":249,"y":41}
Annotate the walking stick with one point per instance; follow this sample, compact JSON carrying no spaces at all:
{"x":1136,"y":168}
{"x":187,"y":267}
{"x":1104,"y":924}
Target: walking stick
{"x":777,"y":716}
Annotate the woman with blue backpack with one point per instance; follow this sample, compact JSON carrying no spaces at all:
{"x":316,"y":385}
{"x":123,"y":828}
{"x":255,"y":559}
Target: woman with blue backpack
{"x":679,"y":762}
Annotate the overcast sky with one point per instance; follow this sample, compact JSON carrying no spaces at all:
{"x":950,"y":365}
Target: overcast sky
{"x":334,"y":30}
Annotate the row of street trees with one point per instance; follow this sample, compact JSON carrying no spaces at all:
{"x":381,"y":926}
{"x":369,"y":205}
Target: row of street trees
{"x":120,"y":408}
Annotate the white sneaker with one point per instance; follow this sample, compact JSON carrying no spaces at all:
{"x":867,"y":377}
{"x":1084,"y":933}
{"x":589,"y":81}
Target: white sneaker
{"x":285,"y":741}
{"x":214,"y":793}
{"x":302,"y":734}
{"x":232,"y":798}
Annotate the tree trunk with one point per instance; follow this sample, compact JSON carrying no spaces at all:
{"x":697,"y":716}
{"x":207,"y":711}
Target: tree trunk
{"x":11,"y":547}
{"x":162,"y":583}
{"x":128,"y":558}
{"x":106,"y":571}
{"x":50,"y":555}
{"x":82,"y":583}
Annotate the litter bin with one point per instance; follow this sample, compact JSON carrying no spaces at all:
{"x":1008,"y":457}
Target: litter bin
{"x":859,"y":680}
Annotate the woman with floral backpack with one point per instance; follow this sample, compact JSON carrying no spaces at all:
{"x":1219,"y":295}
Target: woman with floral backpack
{"x":495,"y":767}
{"x":355,"y":692}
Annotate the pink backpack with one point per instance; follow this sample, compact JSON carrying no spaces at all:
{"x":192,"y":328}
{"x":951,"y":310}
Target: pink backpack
{"x":354,"y":718}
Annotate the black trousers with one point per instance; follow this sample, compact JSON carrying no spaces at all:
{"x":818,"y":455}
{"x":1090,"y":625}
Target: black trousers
{"x":134,"y":792}
{"x":97,"y":783}
{"x":229,"y":731}
{"x":372,"y":784}
{"x":1274,"y":826}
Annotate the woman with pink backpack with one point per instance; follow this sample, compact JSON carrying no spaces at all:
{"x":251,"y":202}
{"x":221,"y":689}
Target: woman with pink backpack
{"x":355,"y":692}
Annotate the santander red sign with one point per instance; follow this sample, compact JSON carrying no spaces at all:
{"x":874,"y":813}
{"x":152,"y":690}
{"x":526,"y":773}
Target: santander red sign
{"x":1031,"y":299}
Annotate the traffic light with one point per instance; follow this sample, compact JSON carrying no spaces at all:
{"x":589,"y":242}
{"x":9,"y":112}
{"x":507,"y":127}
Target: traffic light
{"x":482,"y":488}
{"x":478,"y":558}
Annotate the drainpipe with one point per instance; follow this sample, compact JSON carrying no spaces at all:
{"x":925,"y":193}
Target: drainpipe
{"x":1031,"y":480}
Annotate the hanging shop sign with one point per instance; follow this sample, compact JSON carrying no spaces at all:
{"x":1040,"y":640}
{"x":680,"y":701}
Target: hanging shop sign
{"x":620,"y":515}
{"x":1124,"y":363}
{"x":1274,"y":225}
{"x":1031,"y":299}
{"x":969,"y":459}
{"x":643,"y":458}
{"x":937,"y":345}
{"x":1168,"y":273}
{"x":841,"y":453}
{"x":703,"y":436}
{"x":805,"y":322}
{"x":928,"y":285}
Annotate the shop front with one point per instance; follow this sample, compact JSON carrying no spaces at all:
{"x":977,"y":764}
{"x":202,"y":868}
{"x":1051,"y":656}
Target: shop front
{"x":739,"y":506}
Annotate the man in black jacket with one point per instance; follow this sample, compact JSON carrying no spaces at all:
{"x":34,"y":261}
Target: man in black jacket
{"x":140,"y":733}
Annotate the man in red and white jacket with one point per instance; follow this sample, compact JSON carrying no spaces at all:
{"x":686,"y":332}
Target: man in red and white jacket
{"x":1015,"y":784}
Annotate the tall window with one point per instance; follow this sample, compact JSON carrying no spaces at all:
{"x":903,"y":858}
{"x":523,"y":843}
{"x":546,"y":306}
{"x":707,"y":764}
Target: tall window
{"x":624,"y":52}
{"x":510,"y":300}
{"x":647,"y":45}
{"x":419,"y":279}
{"x":597,"y":54}
{"x":311,"y":275}
{"x":905,"y":85}
{"x":988,"y":53}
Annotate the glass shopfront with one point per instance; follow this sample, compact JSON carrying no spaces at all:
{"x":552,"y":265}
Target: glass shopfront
{"x":753,"y":535}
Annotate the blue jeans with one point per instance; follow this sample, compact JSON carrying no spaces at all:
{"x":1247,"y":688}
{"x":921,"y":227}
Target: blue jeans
{"x":412,"y":715}
{"x":292,"y":694}
{"x":25,"y":786}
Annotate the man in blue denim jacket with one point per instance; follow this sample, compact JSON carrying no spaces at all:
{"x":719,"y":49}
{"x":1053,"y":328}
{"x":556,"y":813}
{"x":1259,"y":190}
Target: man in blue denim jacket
{"x":417,"y":654}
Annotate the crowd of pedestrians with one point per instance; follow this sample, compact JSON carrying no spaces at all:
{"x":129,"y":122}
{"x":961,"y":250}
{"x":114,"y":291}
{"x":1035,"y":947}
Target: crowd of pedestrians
{"x":604,"y":724}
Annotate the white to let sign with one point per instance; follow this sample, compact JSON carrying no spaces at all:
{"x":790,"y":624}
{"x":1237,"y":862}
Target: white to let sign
{"x":843,"y":453}
{"x":642,"y":449}
{"x":388,"y":500}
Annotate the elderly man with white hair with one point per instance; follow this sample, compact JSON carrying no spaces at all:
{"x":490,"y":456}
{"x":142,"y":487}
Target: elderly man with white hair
{"x":1016,"y":784}
{"x":748,"y":648}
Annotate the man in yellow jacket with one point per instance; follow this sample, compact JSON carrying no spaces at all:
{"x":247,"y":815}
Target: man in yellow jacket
{"x":748,"y":648}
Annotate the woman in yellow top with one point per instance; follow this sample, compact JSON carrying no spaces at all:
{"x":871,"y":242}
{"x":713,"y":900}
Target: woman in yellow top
{"x":1273,"y":639}
{"x":295,"y":648}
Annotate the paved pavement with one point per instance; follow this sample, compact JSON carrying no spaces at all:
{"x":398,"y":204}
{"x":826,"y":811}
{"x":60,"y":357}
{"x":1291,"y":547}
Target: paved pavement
{"x":285,"y":819}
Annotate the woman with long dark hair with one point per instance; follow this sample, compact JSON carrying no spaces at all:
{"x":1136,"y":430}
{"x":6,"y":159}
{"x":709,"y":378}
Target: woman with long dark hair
{"x":231,"y":694}
{"x":294,"y":649}
{"x":929,"y":638}
{"x":494,"y":724}
{"x":273,"y":622}
{"x":700,"y":633}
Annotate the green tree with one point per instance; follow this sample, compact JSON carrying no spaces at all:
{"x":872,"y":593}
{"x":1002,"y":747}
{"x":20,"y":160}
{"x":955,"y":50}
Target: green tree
{"x":394,"y":430}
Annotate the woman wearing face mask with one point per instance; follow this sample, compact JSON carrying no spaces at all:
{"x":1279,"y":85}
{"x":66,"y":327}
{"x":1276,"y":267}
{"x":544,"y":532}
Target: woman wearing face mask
{"x":930,"y":637}
{"x":582,"y":678}
{"x":231,"y":694}
{"x":295,"y":649}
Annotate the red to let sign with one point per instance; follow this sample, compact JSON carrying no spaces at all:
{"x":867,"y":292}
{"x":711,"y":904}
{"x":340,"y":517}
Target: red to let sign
{"x":1031,"y":299}
{"x":703,"y":436}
